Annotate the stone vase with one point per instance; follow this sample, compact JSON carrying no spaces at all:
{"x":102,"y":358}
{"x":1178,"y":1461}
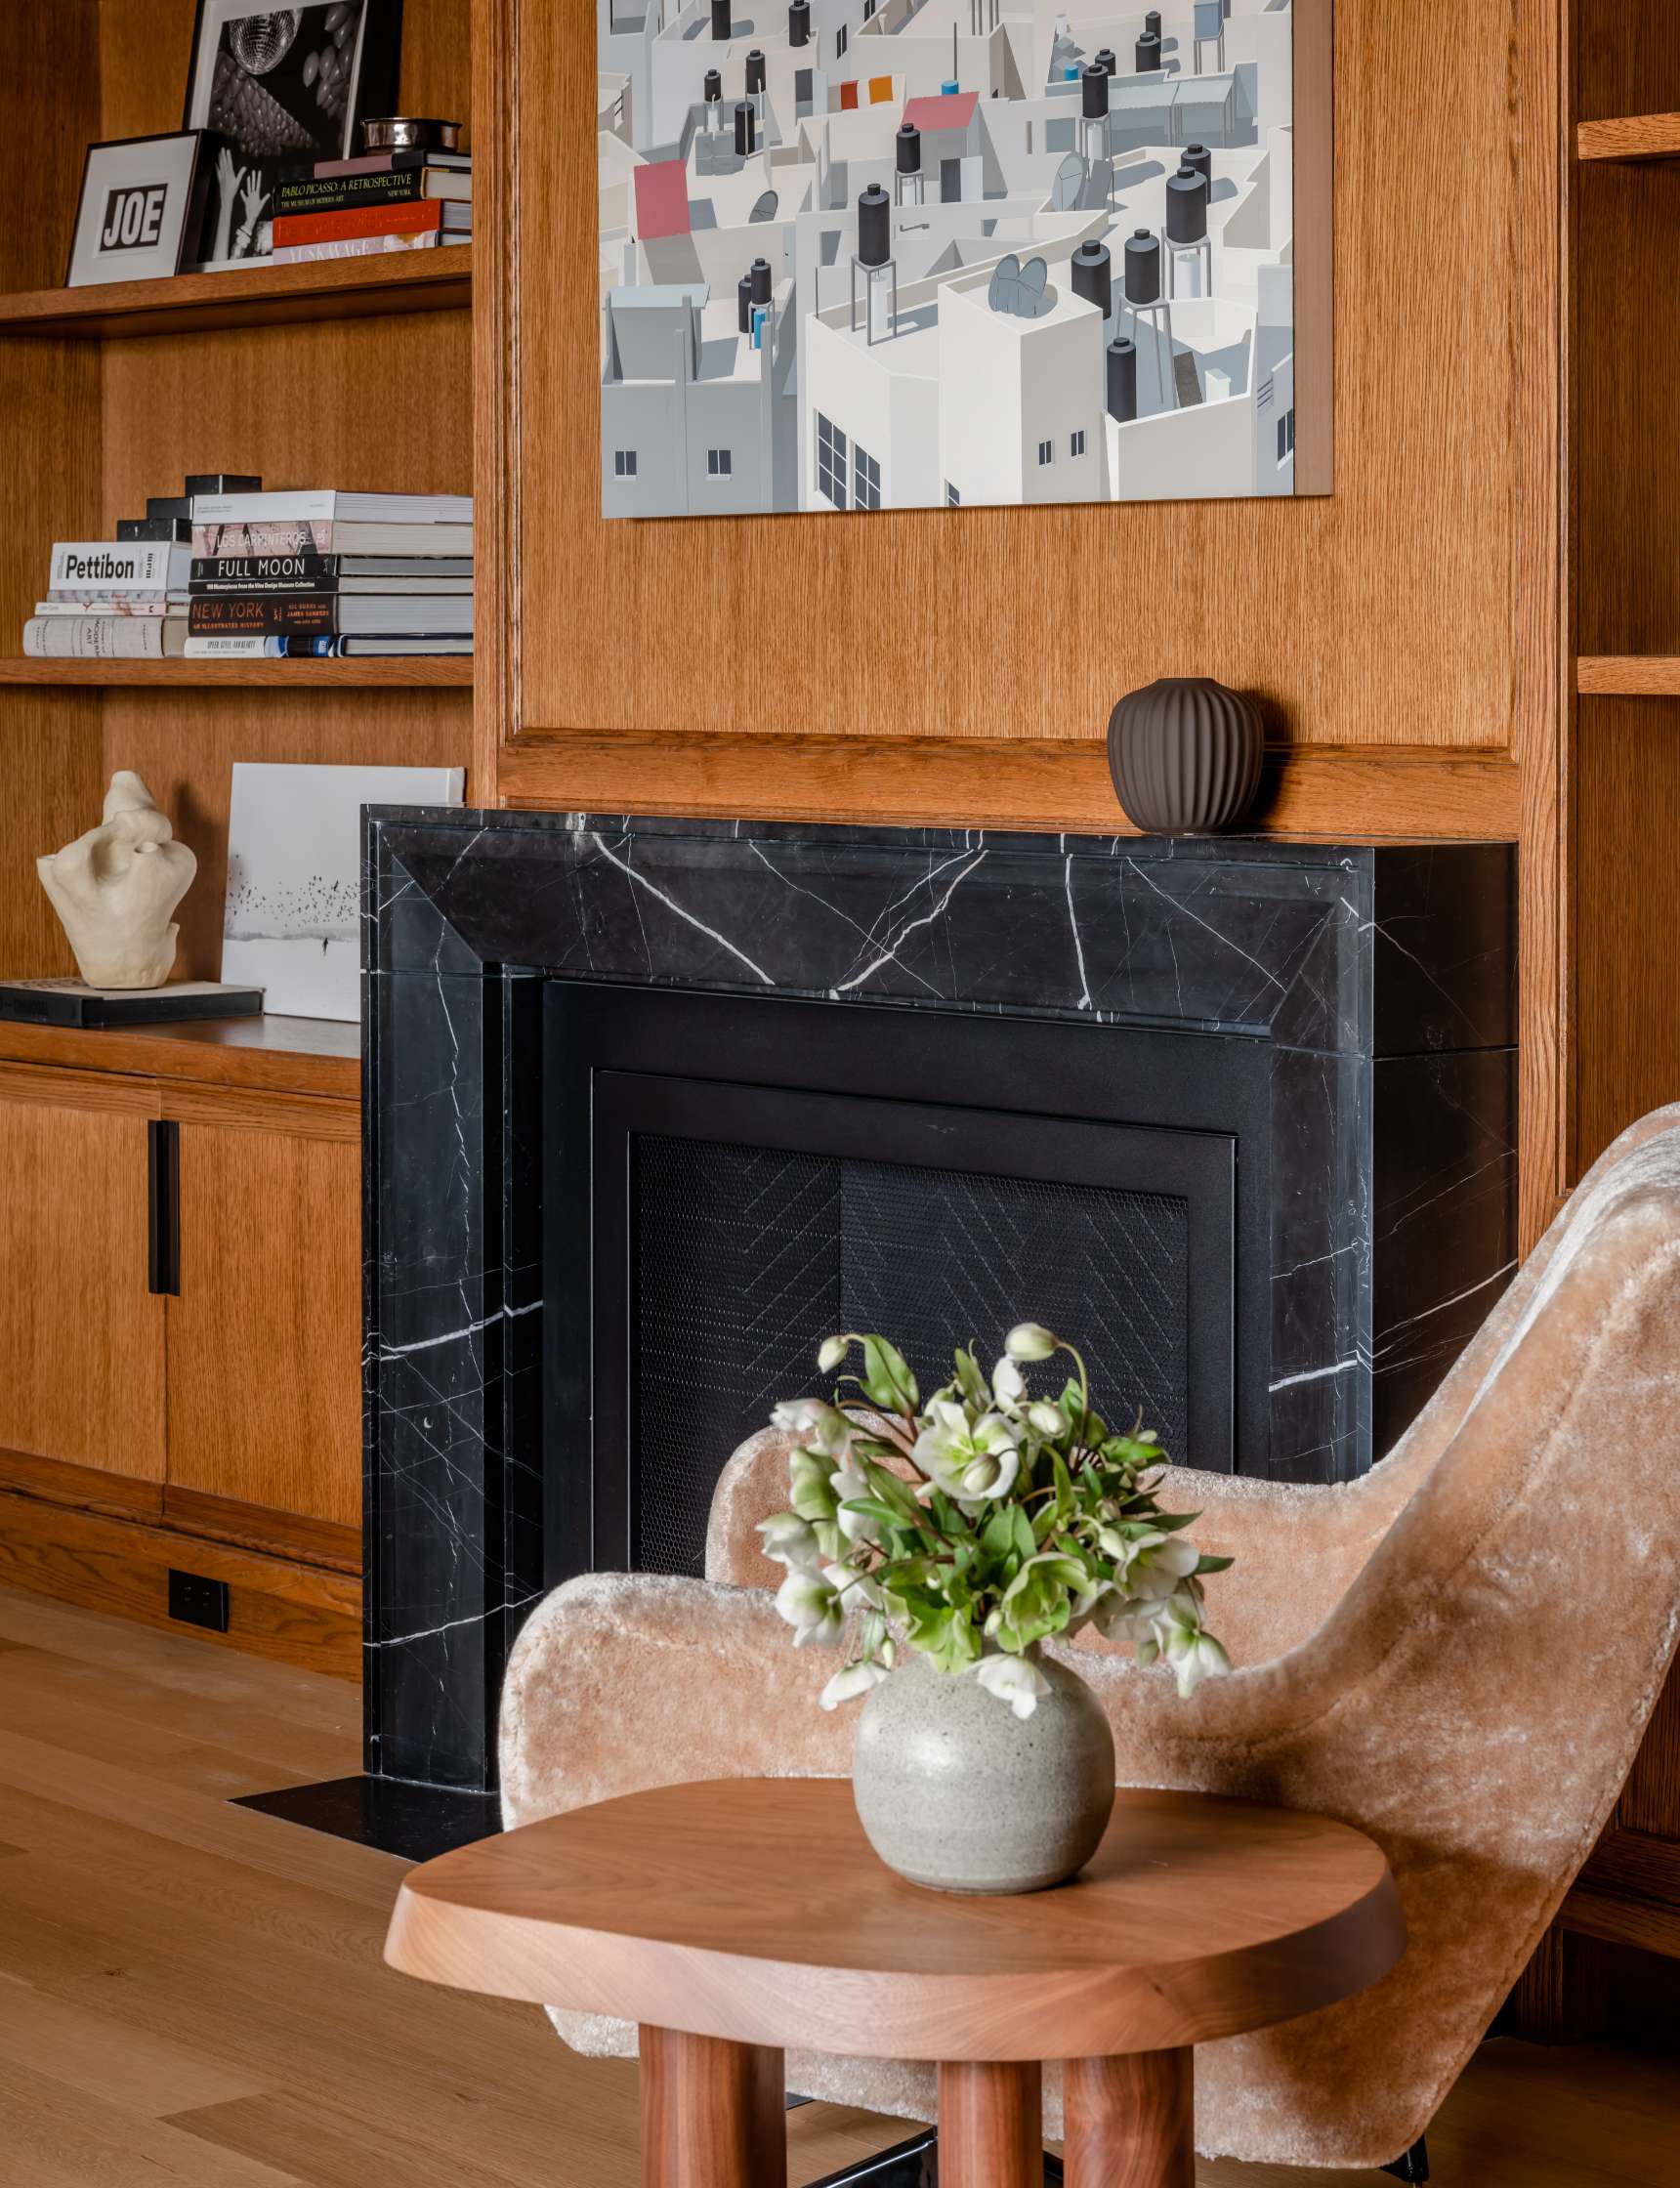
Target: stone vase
{"x":955,"y":1792}
{"x":1185,"y":753}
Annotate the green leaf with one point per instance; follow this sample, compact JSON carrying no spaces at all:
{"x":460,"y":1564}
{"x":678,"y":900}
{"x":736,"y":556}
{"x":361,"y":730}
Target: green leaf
{"x":810,"y":1480}
{"x":971,"y":1381}
{"x":892,"y":1490}
{"x":1065,"y":1499}
{"x":1207,"y":1564}
{"x":873,"y":1508}
{"x":887,"y":1377}
{"x":1025,"y":1542}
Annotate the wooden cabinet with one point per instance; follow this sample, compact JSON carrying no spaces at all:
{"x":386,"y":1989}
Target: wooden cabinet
{"x":264,"y":1378}
{"x":81,"y":1336}
{"x":211,"y":1424}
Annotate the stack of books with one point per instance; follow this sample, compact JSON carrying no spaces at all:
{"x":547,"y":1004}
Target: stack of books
{"x":126,"y":599}
{"x":308,"y":573}
{"x":386,"y":202}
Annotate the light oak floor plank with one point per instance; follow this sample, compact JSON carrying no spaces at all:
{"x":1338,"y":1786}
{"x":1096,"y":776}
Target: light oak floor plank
{"x":280,"y":1750}
{"x":191,"y":1996}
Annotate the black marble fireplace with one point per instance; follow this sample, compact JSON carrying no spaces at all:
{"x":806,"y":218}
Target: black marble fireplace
{"x":653,"y":1105}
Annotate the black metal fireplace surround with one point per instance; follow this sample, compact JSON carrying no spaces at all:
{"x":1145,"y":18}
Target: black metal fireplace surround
{"x":727,"y":1179}
{"x":653,"y":1105}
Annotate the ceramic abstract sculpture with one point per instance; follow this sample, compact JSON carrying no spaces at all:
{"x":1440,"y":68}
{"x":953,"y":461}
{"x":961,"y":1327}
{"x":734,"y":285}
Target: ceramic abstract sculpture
{"x":115,"y":887}
{"x":1185,"y":753}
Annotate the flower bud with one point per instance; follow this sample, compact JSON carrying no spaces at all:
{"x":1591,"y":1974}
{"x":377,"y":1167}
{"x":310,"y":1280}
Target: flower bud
{"x":1030,"y":1340}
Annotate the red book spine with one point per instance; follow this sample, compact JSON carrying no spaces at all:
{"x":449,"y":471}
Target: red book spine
{"x":415,"y":219}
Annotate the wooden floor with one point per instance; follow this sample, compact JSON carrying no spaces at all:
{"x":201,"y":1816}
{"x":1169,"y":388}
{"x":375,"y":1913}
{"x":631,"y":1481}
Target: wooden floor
{"x":193,"y":1994}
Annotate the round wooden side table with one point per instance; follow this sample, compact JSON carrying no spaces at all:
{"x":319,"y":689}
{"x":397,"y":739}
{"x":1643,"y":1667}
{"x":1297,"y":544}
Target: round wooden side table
{"x":736,"y":1917}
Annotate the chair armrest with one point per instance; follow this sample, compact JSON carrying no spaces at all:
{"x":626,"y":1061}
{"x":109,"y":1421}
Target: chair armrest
{"x":1298,"y":1548}
{"x":622,"y":1681}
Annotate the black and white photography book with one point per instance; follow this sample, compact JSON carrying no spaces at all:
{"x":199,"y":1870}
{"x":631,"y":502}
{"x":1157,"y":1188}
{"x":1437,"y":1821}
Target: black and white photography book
{"x":289,"y":84}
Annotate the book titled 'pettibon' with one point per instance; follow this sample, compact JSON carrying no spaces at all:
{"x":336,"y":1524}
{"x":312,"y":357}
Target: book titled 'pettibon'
{"x":97,"y":566}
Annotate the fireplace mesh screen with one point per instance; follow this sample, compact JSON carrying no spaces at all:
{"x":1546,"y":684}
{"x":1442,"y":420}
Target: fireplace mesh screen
{"x":745,"y":1258}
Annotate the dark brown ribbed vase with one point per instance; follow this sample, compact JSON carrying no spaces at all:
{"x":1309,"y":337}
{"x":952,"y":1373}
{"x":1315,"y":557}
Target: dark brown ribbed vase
{"x":1185,"y":753}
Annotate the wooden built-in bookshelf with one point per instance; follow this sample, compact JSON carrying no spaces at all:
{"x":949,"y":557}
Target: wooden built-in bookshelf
{"x":1623,"y":565}
{"x":1650,"y":676}
{"x":438,"y":672}
{"x":257,"y":296}
{"x":355,"y":375}
{"x":1629,"y":137}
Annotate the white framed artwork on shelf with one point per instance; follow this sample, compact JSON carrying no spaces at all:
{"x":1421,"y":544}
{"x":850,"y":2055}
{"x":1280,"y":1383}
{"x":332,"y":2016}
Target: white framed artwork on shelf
{"x":293,"y":915}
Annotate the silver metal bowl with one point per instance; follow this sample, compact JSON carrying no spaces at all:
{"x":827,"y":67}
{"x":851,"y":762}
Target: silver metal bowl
{"x":401,"y":133}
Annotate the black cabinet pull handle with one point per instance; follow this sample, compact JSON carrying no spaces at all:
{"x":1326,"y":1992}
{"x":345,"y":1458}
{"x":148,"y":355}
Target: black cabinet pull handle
{"x":164,"y":1203}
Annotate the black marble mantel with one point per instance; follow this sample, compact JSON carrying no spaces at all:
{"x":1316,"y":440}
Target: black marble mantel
{"x":1380,"y":979}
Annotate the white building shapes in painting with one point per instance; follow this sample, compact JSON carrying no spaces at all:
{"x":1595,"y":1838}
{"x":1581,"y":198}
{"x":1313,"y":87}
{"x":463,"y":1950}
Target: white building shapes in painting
{"x":893,"y":254}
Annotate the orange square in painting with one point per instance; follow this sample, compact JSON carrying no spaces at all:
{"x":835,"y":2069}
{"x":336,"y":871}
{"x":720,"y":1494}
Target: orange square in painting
{"x":848,"y":97}
{"x":880,"y":90}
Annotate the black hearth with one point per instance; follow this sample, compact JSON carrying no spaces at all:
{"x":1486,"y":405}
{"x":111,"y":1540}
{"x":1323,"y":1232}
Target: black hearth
{"x":654,"y":1105}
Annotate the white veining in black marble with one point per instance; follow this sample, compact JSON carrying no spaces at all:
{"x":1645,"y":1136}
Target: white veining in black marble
{"x":1377,"y":980}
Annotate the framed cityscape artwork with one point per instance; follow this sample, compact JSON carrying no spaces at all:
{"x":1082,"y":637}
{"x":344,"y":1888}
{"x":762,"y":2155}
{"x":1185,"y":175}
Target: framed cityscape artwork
{"x":859,"y":255}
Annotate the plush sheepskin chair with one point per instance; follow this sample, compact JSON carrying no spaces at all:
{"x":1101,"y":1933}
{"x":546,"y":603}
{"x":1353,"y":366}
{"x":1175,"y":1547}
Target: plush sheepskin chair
{"x":1458,"y":1654}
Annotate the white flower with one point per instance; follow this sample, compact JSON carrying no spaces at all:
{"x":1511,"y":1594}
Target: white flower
{"x":1008,"y":1386}
{"x":823,"y":1427}
{"x":1083,"y":1608}
{"x":810,"y":1604}
{"x":831,"y":1353}
{"x":791,"y":1541}
{"x":1030,"y":1340}
{"x":1126,"y":1619}
{"x":1177,"y":1557}
{"x":794,"y":1415}
{"x":1204,"y":1658}
{"x":1045,"y":1417}
{"x":845,"y":1686}
{"x":853,"y":1587}
{"x":1013,"y":1679}
{"x":856,"y":1527}
{"x":970,"y":1463}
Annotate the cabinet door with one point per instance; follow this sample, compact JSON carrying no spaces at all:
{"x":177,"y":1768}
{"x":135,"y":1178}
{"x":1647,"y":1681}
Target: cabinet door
{"x":265,"y":1334}
{"x":81,"y":1334}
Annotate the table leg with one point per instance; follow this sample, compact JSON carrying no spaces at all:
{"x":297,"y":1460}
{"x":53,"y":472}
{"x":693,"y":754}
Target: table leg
{"x":1128,"y":2123}
{"x":712,"y":2113}
{"x":992,"y":2125}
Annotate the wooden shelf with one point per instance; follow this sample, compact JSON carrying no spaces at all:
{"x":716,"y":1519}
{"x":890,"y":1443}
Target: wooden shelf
{"x":1649,"y":676}
{"x":1630,"y":136}
{"x":435,"y":671}
{"x":321,"y":1056}
{"x":344,"y":288}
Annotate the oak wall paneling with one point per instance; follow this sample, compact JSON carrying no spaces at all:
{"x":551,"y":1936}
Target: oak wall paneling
{"x":949,"y":665}
{"x":1626,"y":1005}
{"x":1388,"y":613}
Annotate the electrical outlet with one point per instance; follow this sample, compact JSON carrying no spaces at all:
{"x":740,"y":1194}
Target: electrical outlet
{"x":196,"y":1601}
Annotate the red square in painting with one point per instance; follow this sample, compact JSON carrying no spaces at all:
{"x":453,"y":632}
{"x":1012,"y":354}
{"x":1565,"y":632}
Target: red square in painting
{"x":661,"y":199}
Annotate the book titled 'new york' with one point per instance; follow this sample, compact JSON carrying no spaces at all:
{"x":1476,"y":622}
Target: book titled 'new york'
{"x":271,"y":616}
